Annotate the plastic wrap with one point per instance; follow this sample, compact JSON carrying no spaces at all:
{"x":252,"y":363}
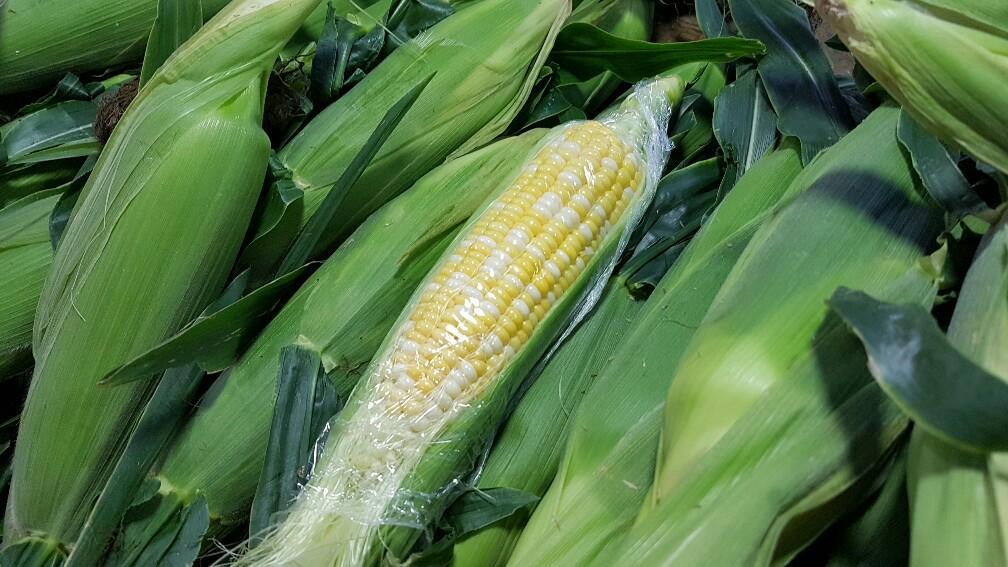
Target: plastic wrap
{"x":492,"y":306}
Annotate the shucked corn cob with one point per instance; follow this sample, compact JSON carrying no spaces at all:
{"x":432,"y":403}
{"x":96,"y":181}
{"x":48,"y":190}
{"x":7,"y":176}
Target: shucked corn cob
{"x":342,"y":312}
{"x":107,"y":299}
{"x":501,"y":294}
{"x":485,"y":58}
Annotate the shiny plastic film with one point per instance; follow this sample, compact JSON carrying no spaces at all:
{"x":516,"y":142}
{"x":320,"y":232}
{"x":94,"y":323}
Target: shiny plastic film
{"x":531,"y":262}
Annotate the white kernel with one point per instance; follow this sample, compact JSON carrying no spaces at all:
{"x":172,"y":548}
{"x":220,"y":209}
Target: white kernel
{"x":509,"y":352}
{"x":494,"y":265}
{"x":569,"y":217}
{"x":492,"y":344}
{"x":531,"y":168}
{"x":552,"y":267}
{"x":570,"y":146}
{"x":489,"y":308}
{"x":501,"y":255}
{"x":555,"y":159}
{"x":580,"y":199}
{"x":610,"y":164}
{"x":472,"y":292}
{"x":536,"y":252}
{"x":589,"y":251}
{"x":514,"y":282}
{"x":408,"y":326}
{"x":563,"y":256}
{"x":599,"y":212}
{"x":570,"y":178}
{"x":542,"y":209}
{"x":551,"y":199}
{"x":444,"y":400}
{"x":522,"y":307}
{"x":580,"y":263}
{"x":518,"y":236}
{"x":586,"y":231}
{"x":551,"y":298}
{"x":468,"y":370}
{"x":409,"y":347}
{"x":487,"y":240}
{"x":452,"y":387}
{"x":404,"y":382}
{"x":534,"y":293}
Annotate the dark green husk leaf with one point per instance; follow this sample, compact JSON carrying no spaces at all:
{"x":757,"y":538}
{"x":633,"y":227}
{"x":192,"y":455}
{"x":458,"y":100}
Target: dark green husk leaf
{"x":300,"y":392}
{"x":161,"y":418}
{"x":938,"y":172}
{"x":586,"y":51}
{"x":798,"y":78}
{"x":744,"y":122}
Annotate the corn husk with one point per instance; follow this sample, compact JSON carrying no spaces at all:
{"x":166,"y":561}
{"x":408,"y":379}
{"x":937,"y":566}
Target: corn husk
{"x":343,"y":313}
{"x":945,"y":61}
{"x":25,"y":257}
{"x":609,"y":460}
{"x":189,"y":152}
{"x":42,"y":41}
{"x":958,"y":497}
{"x":770,"y":413}
{"x":485,"y":57}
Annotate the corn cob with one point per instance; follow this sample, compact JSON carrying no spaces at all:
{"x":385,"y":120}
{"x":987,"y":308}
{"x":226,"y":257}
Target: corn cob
{"x":916,"y":49}
{"x":25,"y":256}
{"x":609,"y":459}
{"x":198,"y":122}
{"x":343,"y":313}
{"x":500,"y":295}
{"x":486,"y":57}
{"x":865,"y":227}
{"x":972,"y":532}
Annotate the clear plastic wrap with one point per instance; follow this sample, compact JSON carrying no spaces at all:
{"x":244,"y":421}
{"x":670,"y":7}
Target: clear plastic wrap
{"x":528,"y":265}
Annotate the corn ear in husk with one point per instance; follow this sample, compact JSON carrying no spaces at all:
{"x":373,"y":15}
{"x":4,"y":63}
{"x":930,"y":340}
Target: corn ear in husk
{"x":860,"y":219}
{"x":485,"y":58}
{"x":945,"y":61}
{"x":189,"y":152}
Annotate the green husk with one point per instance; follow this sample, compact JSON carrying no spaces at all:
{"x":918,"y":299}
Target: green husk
{"x":485,"y":59}
{"x":347,"y":515}
{"x":769,"y":341}
{"x":36,"y":177}
{"x":121,"y":283}
{"x":944,"y":60}
{"x":959,"y":498}
{"x":25,"y":257}
{"x":41,"y":41}
{"x":609,"y":459}
{"x":342,"y":313}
